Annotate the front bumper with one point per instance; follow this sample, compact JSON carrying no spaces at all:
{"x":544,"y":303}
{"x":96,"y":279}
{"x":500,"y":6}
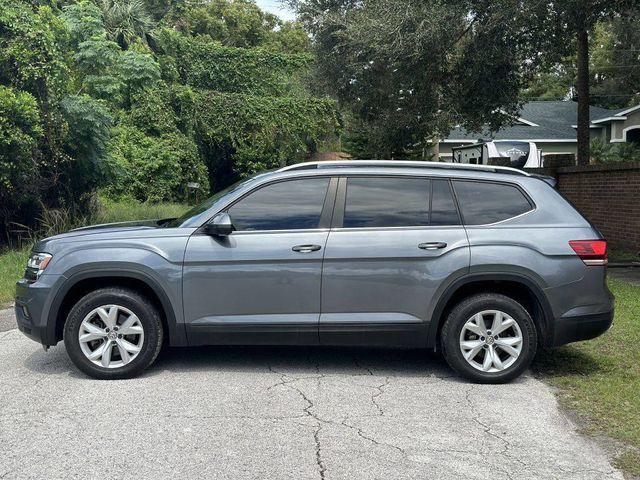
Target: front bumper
{"x":581,"y":327}
{"x":32,"y":308}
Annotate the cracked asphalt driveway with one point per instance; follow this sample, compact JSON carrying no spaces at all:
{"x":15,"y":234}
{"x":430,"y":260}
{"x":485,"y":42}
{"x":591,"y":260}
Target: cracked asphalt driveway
{"x":272,"y":413}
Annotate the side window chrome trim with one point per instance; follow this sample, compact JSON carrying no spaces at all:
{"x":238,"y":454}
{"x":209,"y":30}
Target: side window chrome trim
{"x":413,"y":227}
{"x":288,"y":231}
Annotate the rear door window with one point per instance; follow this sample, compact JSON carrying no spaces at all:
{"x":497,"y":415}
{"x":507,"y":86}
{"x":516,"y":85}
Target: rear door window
{"x":386,"y":202}
{"x":482,"y":203}
{"x":399,"y":202}
{"x":443,"y":205}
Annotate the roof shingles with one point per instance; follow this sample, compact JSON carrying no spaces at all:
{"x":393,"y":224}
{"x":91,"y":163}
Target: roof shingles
{"x":554,"y":120}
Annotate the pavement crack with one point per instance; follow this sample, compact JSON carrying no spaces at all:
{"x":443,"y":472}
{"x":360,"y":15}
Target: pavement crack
{"x":288,"y":382}
{"x":316,"y":434}
{"x":322,"y":469}
{"x":488,"y":430}
{"x":380,"y":391}
{"x":285,"y":379}
{"x":362,"y":367}
{"x":364,"y":436}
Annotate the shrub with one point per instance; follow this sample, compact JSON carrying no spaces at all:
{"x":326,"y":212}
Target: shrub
{"x":602,"y":152}
{"x":19,"y":130}
{"x":151,"y":168}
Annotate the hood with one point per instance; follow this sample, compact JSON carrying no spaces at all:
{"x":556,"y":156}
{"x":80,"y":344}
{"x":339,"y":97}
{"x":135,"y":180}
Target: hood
{"x":106,"y":229}
{"x":117,"y":225}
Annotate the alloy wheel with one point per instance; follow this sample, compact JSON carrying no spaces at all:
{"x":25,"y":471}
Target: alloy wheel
{"x":491,"y":341}
{"x":111,"y":336}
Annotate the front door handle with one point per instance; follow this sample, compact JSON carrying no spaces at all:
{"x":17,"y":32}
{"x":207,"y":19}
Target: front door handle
{"x":306,"y":248}
{"x":432,"y":245}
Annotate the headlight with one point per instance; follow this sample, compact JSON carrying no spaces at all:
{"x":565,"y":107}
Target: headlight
{"x":36,"y":264}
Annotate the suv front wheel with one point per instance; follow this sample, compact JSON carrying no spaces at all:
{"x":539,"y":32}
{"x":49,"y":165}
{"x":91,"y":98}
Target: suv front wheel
{"x":489,"y":338}
{"x":113,"y":333}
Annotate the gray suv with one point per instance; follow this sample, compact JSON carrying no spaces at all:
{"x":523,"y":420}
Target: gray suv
{"x":486,"y":264}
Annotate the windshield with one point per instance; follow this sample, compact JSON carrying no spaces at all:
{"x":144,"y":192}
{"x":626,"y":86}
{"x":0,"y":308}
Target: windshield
{"x":208,"y":203}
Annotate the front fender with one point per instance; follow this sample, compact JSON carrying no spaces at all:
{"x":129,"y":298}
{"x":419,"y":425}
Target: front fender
{"x":161,"y":271}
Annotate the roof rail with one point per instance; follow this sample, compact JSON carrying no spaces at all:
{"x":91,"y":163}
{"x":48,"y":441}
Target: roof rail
{"x":402,"y":164}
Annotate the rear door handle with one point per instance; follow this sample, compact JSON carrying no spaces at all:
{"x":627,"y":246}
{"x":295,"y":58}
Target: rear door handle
{"x":432,"y":245}
{"x":306,"y":248}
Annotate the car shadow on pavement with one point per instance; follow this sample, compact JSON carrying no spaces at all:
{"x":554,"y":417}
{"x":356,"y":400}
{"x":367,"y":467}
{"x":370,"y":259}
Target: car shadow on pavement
{"x":290,"y":359}
{"x":565,"y":360}
{"x":306,"y":360}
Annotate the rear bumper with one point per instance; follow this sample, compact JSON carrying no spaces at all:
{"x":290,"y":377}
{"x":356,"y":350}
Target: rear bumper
{"x":582,"y":327}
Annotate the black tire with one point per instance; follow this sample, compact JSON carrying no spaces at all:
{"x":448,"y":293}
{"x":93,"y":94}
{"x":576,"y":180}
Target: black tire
{"x":131,"y":300}
{"x":467,"y":308}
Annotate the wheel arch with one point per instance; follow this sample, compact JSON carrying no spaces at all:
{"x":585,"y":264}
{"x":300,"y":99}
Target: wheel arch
{"x":517,"y":286}
{"x":82,"y":283}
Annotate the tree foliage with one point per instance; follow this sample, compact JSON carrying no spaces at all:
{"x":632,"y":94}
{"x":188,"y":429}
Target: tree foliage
{"x":126,"y":21}
{"x":208,"y":65}
{"x":237,"y":23}
{"x":248,"y":133}
{"x":153,"y":168}
{"x":20,"y":130}
{"x":143,"y":97}
{"x":409,"y":71}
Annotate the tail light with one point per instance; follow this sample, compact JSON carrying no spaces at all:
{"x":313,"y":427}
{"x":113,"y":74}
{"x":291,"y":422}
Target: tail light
{"x":591,"y":252}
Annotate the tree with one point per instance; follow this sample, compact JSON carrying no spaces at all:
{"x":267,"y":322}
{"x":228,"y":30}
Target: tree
{"x":126,"y":20}
{"x":33,"y":73}
{"x":92,"y":98}
{"x":238,"y":23}
{"x":615,"y":61}
{"x":580,"y":18}
{"x":614,"y":46}
{"x":410,"y":71}
{"x":20,"y":130}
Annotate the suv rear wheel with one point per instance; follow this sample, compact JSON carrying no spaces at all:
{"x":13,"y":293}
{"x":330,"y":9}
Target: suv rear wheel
{"x":489,"y":338}
{"x":113,"y":333}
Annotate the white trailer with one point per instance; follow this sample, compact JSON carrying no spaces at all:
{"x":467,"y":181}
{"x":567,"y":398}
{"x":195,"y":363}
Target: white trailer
{"x":522,"y":154}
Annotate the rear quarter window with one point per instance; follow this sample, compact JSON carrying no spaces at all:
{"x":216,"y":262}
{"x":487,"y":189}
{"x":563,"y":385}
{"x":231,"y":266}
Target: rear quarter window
{"x":482,"y":203}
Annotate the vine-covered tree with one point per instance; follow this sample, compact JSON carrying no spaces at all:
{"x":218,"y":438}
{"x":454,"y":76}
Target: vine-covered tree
{"x":140,"y":98}
{"x":44,"y":144}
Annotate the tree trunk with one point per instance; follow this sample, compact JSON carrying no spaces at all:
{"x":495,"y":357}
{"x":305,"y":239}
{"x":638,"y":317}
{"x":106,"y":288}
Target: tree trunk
{"x":583,"y":94}
{"x":435,"y":149}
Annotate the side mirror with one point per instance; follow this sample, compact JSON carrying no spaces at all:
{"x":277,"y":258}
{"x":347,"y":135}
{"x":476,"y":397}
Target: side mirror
{"x":220,"y":225}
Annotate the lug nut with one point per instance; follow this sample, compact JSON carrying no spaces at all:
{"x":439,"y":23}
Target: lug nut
{"x":106,"y":329}
{"x":120,"y":336}
{"x":482,"y":339}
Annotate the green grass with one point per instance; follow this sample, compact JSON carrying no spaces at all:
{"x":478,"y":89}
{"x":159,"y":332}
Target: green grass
{"x":13,"y":262}
{"x":125,"y":210}
{"x":12,"y":265}
{"x":600,"y":379}
{"x":623,"y":256}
